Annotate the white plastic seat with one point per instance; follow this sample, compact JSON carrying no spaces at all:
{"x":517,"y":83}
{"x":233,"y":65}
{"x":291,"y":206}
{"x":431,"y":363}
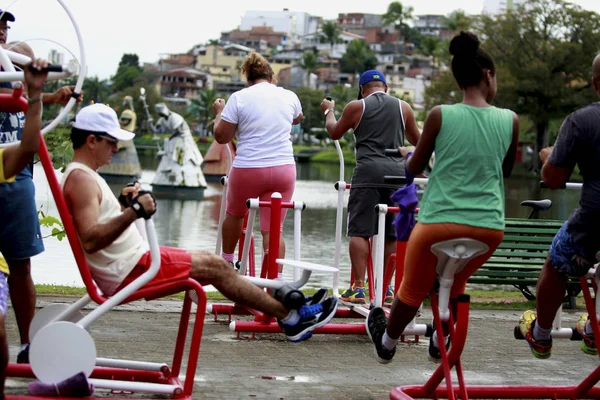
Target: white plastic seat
{"x":452,"y":257}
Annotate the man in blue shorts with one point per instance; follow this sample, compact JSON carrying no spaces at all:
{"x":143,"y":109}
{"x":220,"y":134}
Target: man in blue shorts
{"x":576,"y":246}
{"x":12,"y":160}
{"x":20,"y":235}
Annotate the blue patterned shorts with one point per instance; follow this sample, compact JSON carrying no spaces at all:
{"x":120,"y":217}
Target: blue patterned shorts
{"x":3,"y":293}
{"x":566,"y":256}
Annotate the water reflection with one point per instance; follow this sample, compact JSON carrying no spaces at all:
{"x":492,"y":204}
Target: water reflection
{"x":193,"y":224}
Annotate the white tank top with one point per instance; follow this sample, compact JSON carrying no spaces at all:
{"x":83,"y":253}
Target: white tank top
{"x":111,"y":265}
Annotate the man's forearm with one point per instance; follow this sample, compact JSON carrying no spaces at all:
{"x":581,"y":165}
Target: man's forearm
{"x":30,"y":140}
{"x":330,"y":122}
{"x":105,"y":234}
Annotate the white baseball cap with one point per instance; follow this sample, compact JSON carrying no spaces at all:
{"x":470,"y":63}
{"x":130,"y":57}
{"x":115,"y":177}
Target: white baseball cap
{"x":101,"y":118}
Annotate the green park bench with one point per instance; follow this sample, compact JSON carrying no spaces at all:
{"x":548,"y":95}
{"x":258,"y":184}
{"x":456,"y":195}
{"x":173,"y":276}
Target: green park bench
{"x":520,"y":257}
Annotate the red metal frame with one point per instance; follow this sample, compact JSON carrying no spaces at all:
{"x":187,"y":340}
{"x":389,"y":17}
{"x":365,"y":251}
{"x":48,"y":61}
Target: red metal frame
{"x":431,"y":389}
{"x":14,"y":103}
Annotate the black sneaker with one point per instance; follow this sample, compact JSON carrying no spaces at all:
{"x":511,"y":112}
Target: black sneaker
{"x":376,"y":324}
{"x":23,"y":356}
{"x":311,"y":317}
{"x":318,"y":297}
{"x":434,"y":351}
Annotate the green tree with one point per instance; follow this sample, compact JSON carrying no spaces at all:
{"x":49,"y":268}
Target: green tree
{"x":358,"y":57}
{"x":443,"y":90}
{"x":330,"y":33}
{"x":311,"y":108}
{"x":127,"y":72}
{"x":412,"y":35}
{"x":153,"y":96}
{"x":457,"y":21}
{"x":544,"y":67}
{"x":398,"y":14}
{"x":342,"y":94}
{"x":310,"y":62}
{"x":96,"y":90}
{"x":201,"y":108}
{"x":430,"y":48}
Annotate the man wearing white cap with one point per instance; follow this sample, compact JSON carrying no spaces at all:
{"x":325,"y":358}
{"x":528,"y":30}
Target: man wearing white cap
{"x":115,"y":250}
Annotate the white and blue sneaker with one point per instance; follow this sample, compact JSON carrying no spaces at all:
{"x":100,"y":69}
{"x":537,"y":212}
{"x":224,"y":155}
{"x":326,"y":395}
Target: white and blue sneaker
{"x":312,"y":316}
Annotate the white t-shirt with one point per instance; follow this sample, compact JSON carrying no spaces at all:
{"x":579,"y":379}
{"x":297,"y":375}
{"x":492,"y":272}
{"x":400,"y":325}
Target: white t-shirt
{"x":263,"y":113}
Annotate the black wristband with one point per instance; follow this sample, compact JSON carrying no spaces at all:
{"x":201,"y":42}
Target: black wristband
{"x":138,"y":208}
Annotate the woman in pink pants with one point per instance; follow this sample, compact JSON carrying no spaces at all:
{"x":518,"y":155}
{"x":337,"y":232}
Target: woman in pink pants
{"x":261,"y":116}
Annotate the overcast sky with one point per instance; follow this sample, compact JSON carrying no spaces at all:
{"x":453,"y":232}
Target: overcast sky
{"x":150,"y":28}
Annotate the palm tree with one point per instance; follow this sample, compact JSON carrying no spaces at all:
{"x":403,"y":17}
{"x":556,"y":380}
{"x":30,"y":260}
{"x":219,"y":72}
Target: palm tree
{"x":398,"y":15}
{"x":95,"y":89}
{"x":358,"y":57}
{"x":310,"y":62}
{"x":202,"y":106}
{"x":457,"y":21}
{"x":330,"y":33}
{"x":429,"y":48}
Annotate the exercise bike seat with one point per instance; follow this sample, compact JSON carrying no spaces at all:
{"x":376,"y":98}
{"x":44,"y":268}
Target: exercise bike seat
{"x":462,"y":249}
{"x":537,"y":205}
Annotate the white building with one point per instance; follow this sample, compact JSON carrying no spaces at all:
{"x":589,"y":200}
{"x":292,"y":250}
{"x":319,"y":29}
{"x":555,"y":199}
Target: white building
{"x":295,"y":23}
{"x":55,"y":57}
{"x":500,"y":6}
{"x":314,"y":41}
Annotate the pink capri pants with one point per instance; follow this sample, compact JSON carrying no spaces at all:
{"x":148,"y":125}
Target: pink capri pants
{"x":250,"y":183}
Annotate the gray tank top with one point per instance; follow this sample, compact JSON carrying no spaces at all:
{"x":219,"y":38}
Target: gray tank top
{"x":381,"y":127}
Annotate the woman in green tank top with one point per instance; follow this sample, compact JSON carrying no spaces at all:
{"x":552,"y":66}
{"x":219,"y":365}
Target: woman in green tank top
{"x":475,"y":145}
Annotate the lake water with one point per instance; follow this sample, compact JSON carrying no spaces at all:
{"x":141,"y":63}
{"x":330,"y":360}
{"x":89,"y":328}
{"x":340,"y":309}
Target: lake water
{"x":192,"y":225}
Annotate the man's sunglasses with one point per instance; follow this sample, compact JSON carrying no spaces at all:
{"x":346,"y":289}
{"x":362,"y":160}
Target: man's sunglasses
{"x":109,"y":139}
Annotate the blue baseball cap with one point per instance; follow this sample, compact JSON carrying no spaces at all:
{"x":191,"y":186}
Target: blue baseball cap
{"x":370,"y":76}
{"x":6,"y":16}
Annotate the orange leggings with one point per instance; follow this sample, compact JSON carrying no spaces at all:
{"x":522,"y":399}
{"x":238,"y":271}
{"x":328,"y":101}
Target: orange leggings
{"x":420,"y":263}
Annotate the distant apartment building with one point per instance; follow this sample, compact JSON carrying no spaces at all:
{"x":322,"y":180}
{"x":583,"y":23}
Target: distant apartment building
{"x":258,"y":37}
{"x":369,"y":26}
{"x":295,"y":24}
{"x":500,"y":6}
{"x":183,"y":83}
{"x":314,"y":41}
{"x":56,"y":57}
{"x":224,"y":64}
{"x":431,"y":25}
{"x":175,"y":61}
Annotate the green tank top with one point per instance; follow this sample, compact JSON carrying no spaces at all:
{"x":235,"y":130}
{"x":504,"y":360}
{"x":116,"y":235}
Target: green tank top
{"x":466,"y":185}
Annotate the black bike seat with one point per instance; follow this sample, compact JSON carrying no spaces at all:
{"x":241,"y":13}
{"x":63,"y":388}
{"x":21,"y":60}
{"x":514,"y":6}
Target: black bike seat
{"x":539,"y":205}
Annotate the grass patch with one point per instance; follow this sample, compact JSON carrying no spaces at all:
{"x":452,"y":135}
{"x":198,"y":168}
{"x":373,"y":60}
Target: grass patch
{"x":331,"y":157}
{"x":480,"y":299}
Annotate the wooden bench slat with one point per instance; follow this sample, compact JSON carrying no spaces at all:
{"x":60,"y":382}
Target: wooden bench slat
{"x":534,"y":222}
{"x":528,"y":239}
{"x":537,"y":262}
{"x":531,"y":231}
{"x":520,"y":254}
{"x":524,"y":246}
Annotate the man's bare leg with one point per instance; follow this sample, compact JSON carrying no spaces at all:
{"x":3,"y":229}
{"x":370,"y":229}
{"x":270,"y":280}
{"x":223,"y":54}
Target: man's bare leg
{"x":266,"y":236}
{"x":22,"y":295}
{"x":390,"y":248}
{"x":232,"y":229}
{"x":208,"y":268}
{"x":550,"y":292}
{"x":359,"y":253}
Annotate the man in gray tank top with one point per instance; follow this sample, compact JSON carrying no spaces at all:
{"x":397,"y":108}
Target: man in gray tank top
{"x":379,"y":122}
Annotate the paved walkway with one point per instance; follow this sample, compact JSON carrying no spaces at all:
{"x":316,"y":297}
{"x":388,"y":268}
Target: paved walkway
{"x":326,"y":366}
